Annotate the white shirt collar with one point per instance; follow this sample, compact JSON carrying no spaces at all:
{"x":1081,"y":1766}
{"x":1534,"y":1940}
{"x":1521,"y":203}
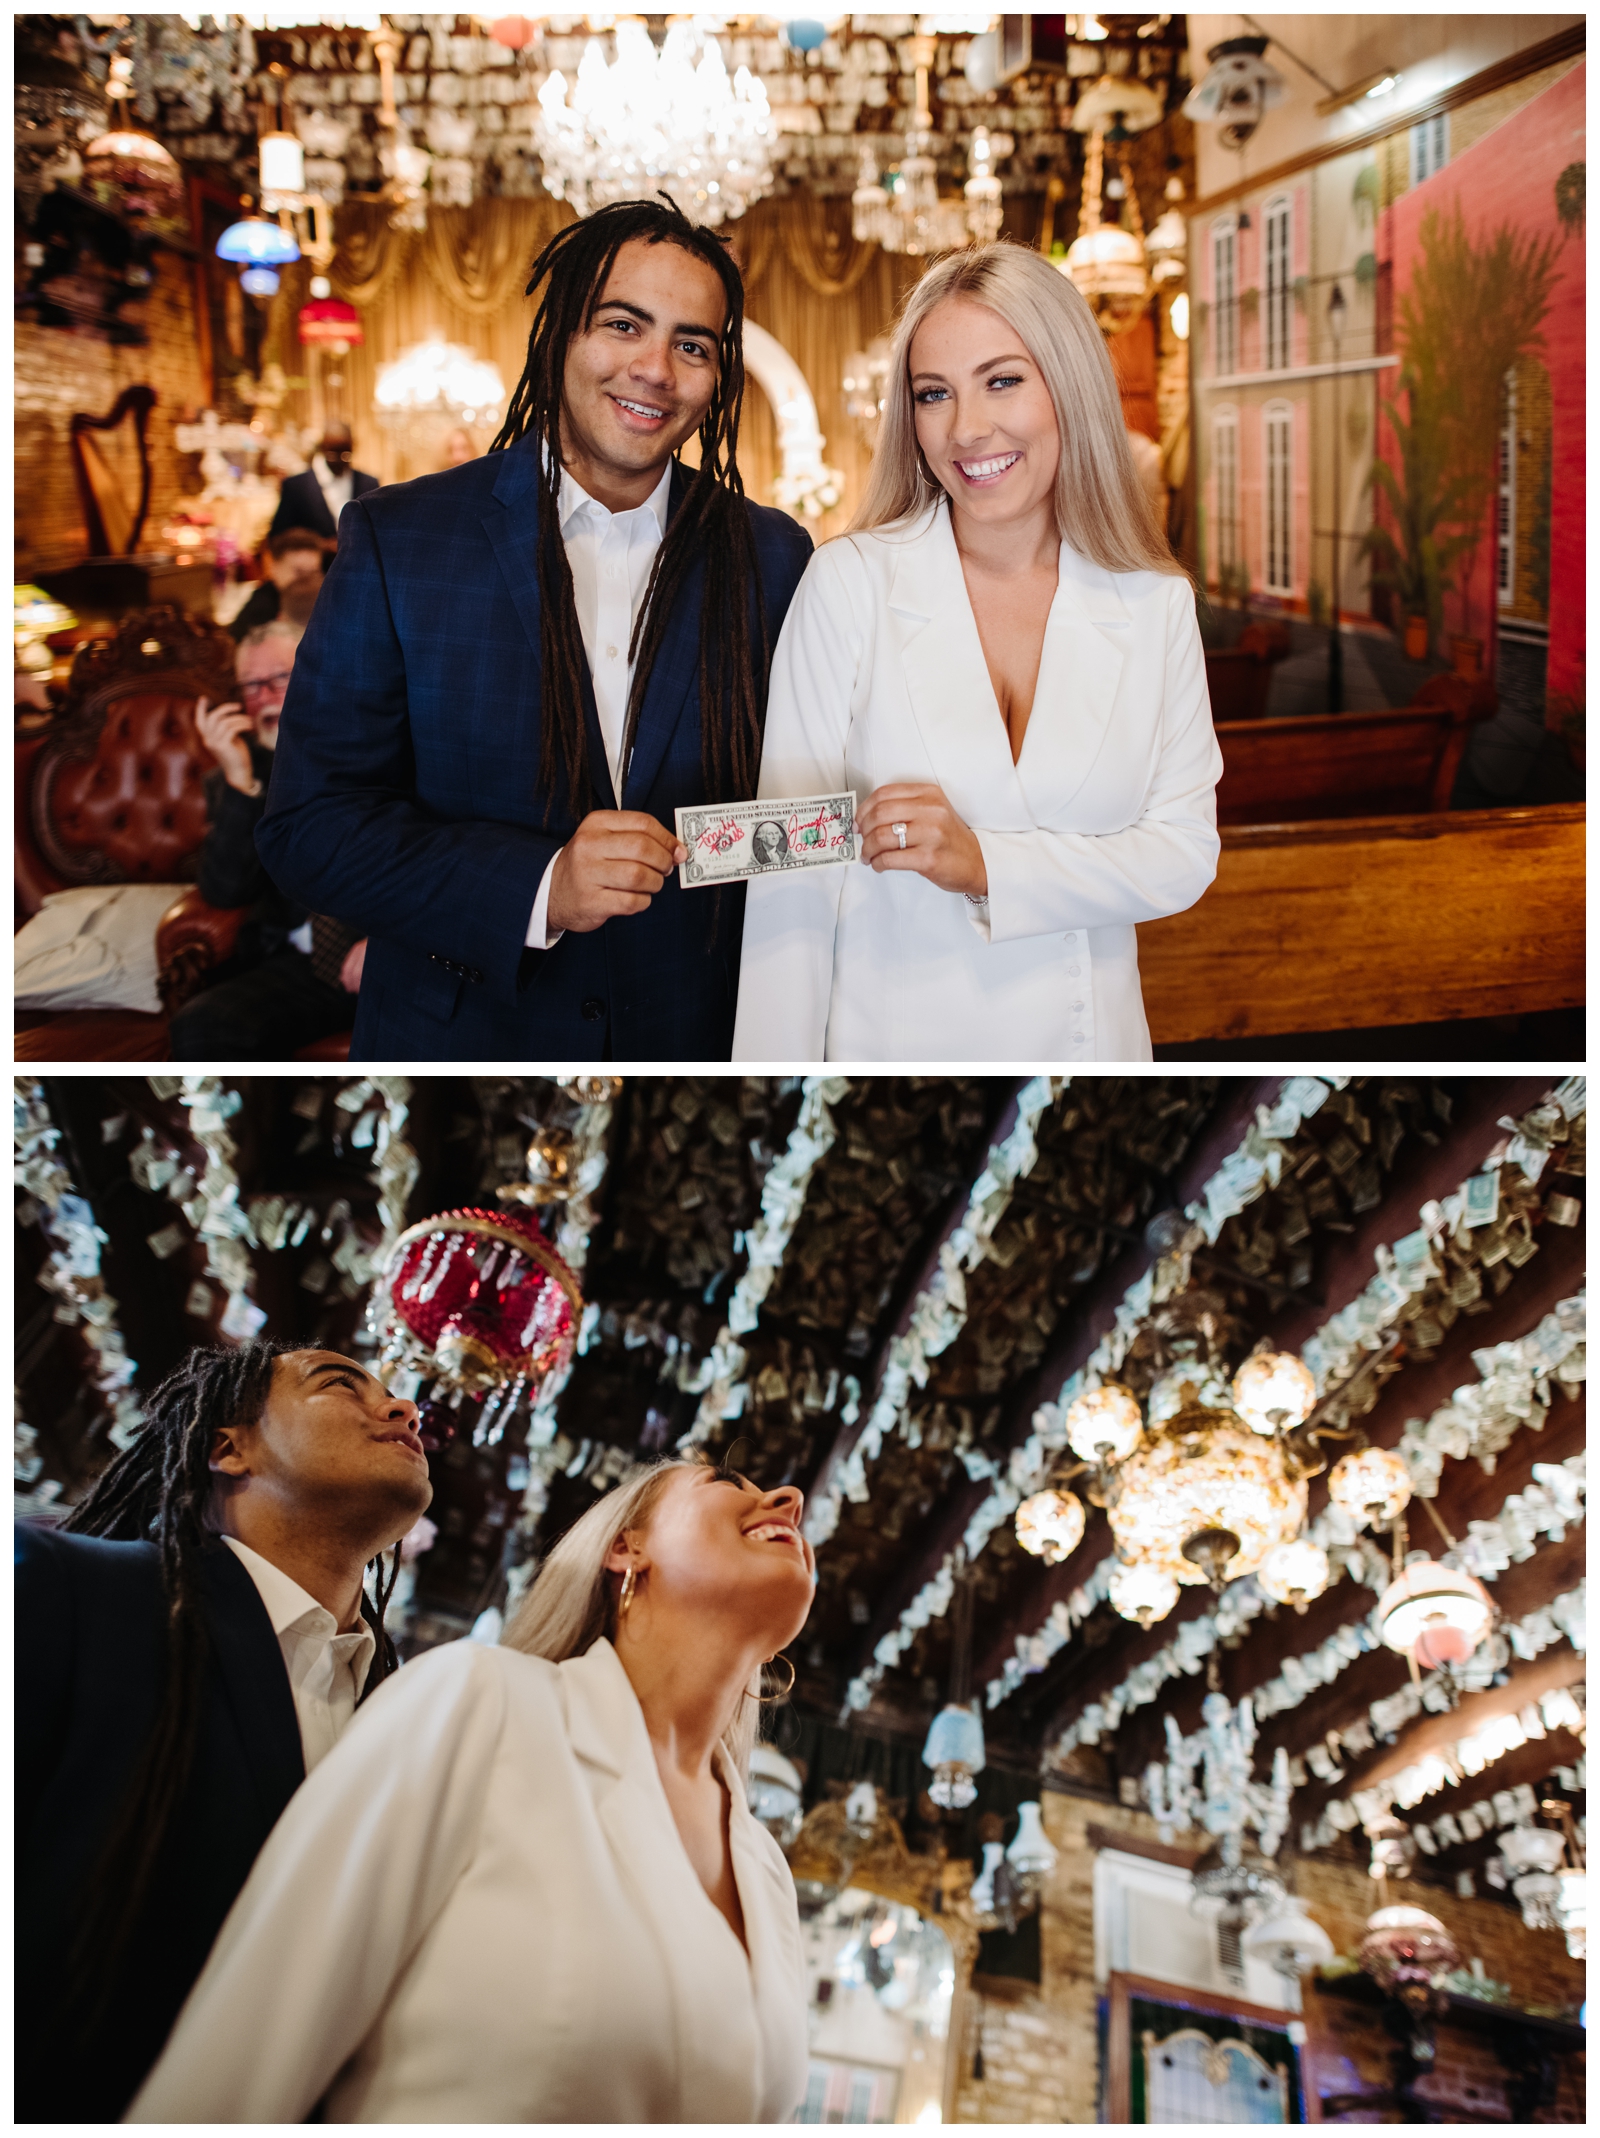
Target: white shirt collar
{"x":287,"y":1603}
{"x":574,"y":498}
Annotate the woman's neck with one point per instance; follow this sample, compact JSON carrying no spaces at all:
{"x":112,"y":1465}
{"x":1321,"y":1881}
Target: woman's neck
{"x":1004,"y":549}
{"x":689,"y":1682}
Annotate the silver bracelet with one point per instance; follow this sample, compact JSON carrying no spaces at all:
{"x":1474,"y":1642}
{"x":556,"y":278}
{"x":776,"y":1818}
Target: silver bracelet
{"x":980,"y":898}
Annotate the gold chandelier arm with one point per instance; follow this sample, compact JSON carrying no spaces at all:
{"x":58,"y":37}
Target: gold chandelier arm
{"x":1093,"y":178}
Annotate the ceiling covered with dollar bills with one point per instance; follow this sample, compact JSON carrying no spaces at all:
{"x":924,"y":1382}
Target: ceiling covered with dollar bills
{"x":883,"y":1290}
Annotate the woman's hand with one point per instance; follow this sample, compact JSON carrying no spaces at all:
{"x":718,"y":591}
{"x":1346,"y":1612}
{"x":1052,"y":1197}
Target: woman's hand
{"x":937,"y":844}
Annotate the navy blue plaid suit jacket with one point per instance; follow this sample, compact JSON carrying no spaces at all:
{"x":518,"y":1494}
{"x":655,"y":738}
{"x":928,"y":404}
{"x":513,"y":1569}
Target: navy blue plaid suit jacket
{"x":404,"y":797}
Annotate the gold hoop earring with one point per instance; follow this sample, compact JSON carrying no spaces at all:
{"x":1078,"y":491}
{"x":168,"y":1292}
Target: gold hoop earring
{"x":774,"y":1699}
{"x":625,"y":1600}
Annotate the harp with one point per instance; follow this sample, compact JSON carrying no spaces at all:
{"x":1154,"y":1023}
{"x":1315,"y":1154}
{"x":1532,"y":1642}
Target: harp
{"x":112,"y":520}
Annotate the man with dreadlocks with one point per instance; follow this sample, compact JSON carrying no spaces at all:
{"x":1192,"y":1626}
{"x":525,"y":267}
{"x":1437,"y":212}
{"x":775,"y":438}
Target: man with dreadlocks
{"x":521,"y":667}
{"x":183,"y":1660}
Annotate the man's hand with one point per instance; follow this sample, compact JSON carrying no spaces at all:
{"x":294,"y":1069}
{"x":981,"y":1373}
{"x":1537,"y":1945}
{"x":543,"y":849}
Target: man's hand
{"x":350,"y":971}
{"x":225,"y":730}
{"x":937,"y":844}
{"x":614,"y":863}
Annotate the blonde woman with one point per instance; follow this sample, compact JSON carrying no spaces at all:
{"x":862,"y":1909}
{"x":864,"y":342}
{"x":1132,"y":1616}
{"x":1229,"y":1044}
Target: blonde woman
{"x":1001,"y":659}
{"x":525,"y":1887}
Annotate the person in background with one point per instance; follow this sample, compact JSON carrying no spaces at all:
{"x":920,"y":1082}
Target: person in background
{"x":190,"y":1644}
{"x":458,"y":450}
{"x":294,"y":561}
{"x":528,"y":1886}
{"x":293,"y":975}
{"x":316,"y":497}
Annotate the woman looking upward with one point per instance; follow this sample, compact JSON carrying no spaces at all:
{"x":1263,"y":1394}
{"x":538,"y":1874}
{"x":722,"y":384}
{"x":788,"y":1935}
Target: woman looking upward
{"x":1002,"y":660}
{"x":526,"y":1886}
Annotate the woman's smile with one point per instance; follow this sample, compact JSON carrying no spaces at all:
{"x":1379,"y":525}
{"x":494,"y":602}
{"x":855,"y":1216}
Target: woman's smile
{"x":986,"y":472}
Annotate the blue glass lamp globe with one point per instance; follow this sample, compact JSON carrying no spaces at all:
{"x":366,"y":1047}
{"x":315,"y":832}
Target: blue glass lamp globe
{"x":259,"y":281}
{"x":257,"y":243}
{"x":803,"y":34}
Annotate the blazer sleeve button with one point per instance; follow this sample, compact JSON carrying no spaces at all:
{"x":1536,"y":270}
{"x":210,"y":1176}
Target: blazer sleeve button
{"x":593,"y":1009}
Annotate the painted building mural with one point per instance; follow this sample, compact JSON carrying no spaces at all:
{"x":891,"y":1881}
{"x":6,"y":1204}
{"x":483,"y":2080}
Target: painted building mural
{"x":1389,"y":394}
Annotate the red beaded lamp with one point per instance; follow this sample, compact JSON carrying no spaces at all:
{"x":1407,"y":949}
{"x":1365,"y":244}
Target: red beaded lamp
{"x":478,"y":1299}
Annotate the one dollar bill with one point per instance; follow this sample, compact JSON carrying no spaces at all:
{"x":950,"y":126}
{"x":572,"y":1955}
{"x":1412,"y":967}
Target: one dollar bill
{"x":737,"y":840}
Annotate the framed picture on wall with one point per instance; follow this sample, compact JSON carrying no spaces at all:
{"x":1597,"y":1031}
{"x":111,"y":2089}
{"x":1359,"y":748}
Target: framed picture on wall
{"x":1190,"y":2056}
{"x":229,"y":330}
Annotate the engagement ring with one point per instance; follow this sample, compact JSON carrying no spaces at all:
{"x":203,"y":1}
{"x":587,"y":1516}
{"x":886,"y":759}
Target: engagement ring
{"x":899,"y":831}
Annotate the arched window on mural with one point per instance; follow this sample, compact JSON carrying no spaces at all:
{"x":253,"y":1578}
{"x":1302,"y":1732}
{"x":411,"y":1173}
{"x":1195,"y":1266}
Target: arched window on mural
{"x":1506,"y":499}
{"x":1275,"y":246}
{"x":1225,"y":296}
{"x":1225,"y":463}
{"x":1278,"y":423}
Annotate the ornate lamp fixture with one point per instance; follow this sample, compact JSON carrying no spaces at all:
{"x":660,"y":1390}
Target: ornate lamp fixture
{"x":1290,"y":1941}
{"x":670,"y":122}
{"x":1532,"y":1855}
{"x":1050,"y":1525}
{"x":1209,"y":1483}
{"x":954,"y":1751}
{"x":1238,"y":88}
{"x":479,"y":1300}
{"x":1010,"y":1881}
{"x":437,"y":378}
{"x":1434,"y":1614}
{"x":902,"y":212}
{"x":1406,"y":1951}
{"x":774,"y":1791}
{"x":137,"y":165}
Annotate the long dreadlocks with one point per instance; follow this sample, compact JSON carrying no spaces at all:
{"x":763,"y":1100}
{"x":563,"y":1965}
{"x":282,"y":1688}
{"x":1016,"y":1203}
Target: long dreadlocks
{"x":711,"y":521}
{"x":156,"y":1492}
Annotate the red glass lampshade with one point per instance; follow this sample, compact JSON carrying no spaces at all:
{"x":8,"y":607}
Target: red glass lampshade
{"x":332,"y":322}
{"x":482,"y":1298}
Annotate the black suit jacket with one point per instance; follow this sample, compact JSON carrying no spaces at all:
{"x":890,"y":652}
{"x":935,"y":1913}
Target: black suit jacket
{"x":302,"y":504}
{"x":405,"y":794}
{"x":91,"y":1642}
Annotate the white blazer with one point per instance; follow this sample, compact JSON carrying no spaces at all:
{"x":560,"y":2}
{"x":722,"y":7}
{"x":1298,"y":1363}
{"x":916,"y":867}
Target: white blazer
{"x":477,"y":1909}
{"x":1108,"y":818}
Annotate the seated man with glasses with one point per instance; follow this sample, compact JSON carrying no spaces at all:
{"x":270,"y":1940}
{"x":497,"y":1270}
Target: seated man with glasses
{"x":294,"y":976}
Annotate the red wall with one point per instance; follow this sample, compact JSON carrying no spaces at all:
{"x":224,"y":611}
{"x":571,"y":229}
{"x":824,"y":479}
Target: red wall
{"x":1509,"y":177}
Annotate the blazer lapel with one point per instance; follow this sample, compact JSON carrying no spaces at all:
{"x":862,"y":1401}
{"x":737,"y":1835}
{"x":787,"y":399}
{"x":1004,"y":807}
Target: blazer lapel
{"x":718,"y":2044}
{"x":947,"y":677}
{"x":676,"y":669}
{"x":512,"y":526}
{"x":254,"y":1679}
{"x":1080,"y":671}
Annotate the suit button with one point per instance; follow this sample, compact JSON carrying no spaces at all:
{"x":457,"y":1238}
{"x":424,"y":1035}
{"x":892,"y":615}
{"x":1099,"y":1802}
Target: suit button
{"x":594,"y":1009}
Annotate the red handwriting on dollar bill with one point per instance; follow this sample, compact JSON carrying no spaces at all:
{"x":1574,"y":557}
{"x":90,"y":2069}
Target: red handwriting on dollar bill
{"x":824,"y":829}
{"x":719,"y":838}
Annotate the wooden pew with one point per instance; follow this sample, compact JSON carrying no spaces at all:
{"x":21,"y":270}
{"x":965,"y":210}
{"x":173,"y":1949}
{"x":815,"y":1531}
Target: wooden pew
{"x":1340,"y":764}
{"x":1320,"y":927}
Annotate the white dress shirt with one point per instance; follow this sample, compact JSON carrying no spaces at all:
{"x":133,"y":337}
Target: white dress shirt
{"x":479,"y":1910}
{"x":327,"y":1668}
{"x":610,"y":555}
{"x":335,"y":489}
{"x":1105,"y":819}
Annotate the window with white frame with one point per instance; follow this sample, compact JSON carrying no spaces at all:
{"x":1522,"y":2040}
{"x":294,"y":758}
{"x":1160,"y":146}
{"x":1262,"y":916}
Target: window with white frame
{"x":1430,"y":147}
{"x":1225,"y":292}
{"x":1506,"y":499}
{"x":1278,"y":422}
{"x":1275,"y":245}
{"x":1225,"y":462}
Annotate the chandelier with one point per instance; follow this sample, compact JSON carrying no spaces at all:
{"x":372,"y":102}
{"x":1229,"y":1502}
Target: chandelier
{"x":481,"y":1301}
{"x":437,"y":378}
{"x":903,"y":212}
{"x":1207,"y":1482}
{"x":668,"y":122}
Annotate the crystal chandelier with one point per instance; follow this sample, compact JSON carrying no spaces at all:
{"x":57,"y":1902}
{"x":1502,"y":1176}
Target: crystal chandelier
{"x":1208,"y":1481}
{"x":438,"y":378}
{"x":657,"y":123}
{"x":903,"y":212}
{"x":1225,"y":1800}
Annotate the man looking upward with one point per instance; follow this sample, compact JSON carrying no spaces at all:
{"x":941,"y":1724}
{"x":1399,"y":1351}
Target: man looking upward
{"x":183,"y":1661}
{"x":521,"y":667}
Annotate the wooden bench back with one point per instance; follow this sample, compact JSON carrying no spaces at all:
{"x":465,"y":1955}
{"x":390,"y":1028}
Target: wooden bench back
{"x":1321,"y":927}
{"x":1339,"y":764}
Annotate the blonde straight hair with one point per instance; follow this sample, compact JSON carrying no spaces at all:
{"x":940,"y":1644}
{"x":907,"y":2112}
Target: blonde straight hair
{"x":573,"y":1600}
{"x":1102,"y":510}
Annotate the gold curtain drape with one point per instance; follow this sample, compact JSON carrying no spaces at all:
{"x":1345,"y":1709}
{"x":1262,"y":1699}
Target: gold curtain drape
{"x":807,"y":280}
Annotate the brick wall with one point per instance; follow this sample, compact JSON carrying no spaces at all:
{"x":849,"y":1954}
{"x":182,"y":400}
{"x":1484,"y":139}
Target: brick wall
{"x":59,"y":373}
{"x":1040,"y":2045}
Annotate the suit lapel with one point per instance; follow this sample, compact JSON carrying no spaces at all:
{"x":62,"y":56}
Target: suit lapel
{"x":674,"y":673}
{"x":512,"y":526}
{"x":953,"y":699}
{"x":254,"y":1679}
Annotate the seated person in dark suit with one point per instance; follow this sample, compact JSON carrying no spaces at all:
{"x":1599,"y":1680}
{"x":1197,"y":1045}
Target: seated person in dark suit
{"x":182,"y":1662}
{"x":316,"y":498}
{"x":294,"y":976}
{"x":294,"y":562}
